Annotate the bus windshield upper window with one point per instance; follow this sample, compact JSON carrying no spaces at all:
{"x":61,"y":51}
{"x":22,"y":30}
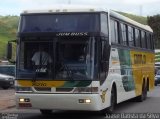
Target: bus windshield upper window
{"x":60,"y":23}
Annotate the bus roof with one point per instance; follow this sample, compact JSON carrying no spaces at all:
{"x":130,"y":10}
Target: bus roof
{"x":70,"y":8}
{"x":67,"y":8}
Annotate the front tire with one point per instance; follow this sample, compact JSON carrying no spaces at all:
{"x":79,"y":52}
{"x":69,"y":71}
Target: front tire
{"x":110,"y":109}
{"x":113,"y":101}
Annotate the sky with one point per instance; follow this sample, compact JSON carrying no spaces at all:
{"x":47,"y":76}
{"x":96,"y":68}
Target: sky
{"x":137,"y":7}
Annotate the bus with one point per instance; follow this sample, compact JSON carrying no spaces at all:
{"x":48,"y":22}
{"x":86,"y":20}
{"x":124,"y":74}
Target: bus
{"x":96,"y":58}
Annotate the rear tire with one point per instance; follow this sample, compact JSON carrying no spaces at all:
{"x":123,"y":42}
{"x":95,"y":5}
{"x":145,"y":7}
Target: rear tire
{"x":143,"y":96}
{"x":46,"y":112}
{"x":145,"y":90}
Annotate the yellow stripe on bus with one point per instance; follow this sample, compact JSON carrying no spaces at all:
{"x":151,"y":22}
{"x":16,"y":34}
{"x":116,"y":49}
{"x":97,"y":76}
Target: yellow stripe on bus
{"x":29,"y":83}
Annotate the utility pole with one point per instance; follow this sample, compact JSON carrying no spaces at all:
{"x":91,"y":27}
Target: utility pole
{"x":141,"y":10}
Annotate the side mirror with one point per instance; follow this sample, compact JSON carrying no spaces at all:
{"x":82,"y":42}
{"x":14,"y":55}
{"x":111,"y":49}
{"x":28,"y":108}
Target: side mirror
{"x":9,"y":51}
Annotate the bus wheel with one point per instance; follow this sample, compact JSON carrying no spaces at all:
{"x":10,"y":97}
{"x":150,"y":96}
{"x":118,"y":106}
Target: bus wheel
{"x":145,"y":91}
{"x":113,"y":101}
{"x":46,"y":112}
{"x":143,"y":96}
{"x":109,"y":110}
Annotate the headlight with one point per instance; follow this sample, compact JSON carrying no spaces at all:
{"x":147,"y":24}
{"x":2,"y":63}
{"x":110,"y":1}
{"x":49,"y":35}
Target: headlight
{"x":23,"y":89}
{"x":156,"y":78}
{"x":6,"y":79}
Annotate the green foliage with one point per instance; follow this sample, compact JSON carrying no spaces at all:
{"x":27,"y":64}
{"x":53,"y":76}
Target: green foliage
{"x":154,"y":22}
{"x":8,"y":25}
{"x":157,"y":59}
{"x":8,"y":29}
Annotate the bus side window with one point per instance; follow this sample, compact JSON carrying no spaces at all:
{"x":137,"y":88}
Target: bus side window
{"x":123,"y":31}
{"x":143,"y":39}
{"x":137,"y":38}
{"x":131,"y":37}
{"x":148,"y":40}
{"x":104,"y":24}
{"x":114,"y":32}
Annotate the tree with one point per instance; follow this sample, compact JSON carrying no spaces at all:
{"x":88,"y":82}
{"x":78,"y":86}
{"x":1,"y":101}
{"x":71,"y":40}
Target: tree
{"x":154,"y":23}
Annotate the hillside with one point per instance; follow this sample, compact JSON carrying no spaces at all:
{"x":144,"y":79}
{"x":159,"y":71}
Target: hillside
{"x":8,"y":29}
{"x":9,"y":24}
{"x":140,"y":19}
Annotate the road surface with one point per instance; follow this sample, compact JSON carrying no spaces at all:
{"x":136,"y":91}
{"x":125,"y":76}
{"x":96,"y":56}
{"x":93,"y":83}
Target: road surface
{"x":148,"y":108}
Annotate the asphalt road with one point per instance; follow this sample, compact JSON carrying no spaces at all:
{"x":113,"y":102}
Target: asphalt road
{"x":148,"y":108}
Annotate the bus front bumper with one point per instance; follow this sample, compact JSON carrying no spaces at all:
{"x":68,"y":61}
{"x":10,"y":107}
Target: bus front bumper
{"x":86,"y":102}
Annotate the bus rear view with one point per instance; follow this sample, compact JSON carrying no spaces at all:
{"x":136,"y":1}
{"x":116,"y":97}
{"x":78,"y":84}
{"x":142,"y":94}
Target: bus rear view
{"x":61,"y":62}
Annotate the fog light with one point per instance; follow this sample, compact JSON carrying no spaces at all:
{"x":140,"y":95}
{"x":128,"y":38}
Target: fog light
{"x":81,"y":100}
{"x":24,"y":100}
{"x":21,"y":100}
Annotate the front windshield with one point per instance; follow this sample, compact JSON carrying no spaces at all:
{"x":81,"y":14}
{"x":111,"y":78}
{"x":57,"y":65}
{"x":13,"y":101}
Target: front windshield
{"x":58,"y":58}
